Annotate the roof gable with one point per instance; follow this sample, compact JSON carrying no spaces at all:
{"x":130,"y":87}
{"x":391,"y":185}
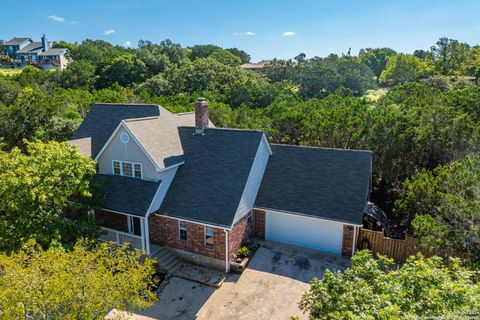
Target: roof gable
{"x":101,"y":122}
{"x":17,"y":41}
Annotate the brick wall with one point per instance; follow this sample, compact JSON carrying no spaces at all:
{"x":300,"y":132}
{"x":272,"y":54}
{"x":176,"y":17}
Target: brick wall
{"x":347,"y":242}
{"x":259,"y":218}
{"x":113,"y":220}
{"x":241,"y":232}
{"x":165,"y":232}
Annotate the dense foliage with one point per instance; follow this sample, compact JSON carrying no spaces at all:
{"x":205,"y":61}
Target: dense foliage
{"x":36,"y":187}
{"x":83,"y":283}
{"x":372,"y":289}
{"x":444,"y":207}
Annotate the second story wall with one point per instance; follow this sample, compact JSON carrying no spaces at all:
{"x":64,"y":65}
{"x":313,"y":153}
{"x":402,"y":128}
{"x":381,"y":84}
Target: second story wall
{"x":130,"y":151}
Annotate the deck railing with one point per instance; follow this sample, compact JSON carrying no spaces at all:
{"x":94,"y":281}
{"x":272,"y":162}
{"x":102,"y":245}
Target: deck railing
{"x":121,"y":237}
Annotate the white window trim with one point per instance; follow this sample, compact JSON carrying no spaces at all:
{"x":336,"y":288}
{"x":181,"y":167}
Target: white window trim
{"x":205,"y":236}
{"x":180,"y":229}
{"x":131,"y":225}
{"x":133,"y":168}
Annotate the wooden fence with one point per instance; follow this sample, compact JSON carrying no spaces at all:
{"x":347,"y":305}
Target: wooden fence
{"x":399,"y":250}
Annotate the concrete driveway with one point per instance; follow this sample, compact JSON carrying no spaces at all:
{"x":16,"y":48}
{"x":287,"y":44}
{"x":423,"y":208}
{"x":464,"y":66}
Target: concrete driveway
{"x":269,"y":288}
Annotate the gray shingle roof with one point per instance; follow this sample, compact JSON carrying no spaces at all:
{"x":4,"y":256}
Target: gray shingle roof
{"x":54,"y":52}
{"x":102,"y":120}
{"x":127,"y":195}
{"x":17,"y":41}
{"x":321,"y":182}
{"x":31,"y":47}
{"x":209,"y":186}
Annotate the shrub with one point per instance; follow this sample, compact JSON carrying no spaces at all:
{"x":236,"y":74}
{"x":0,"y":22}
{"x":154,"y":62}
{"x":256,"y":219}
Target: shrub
{"x":243,"y":252}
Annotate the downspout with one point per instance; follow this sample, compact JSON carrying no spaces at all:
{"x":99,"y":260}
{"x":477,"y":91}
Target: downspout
{"x":354,"y":245}
{"x":147,"y":235}
{"x":227,"y":260}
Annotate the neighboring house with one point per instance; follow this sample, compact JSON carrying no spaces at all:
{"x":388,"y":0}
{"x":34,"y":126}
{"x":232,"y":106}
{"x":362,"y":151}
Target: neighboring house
{"x":16,"y":44}
{"x":257,"y":66}
{"x":175,"y":180}
{"x":53,"y":58}
{"x":26,"y":51}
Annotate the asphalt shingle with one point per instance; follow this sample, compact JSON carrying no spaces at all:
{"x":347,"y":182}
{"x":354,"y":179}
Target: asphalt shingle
{"x":127,"y":195}
{"x":209,"y":186}
{"x":327,"y":183}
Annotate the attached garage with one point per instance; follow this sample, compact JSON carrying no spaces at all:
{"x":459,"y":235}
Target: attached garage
{"x":302,"y":231}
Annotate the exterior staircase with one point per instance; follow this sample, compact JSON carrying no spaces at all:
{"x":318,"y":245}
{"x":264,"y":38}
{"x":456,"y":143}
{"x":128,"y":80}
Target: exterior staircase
{"x":166,"y":259}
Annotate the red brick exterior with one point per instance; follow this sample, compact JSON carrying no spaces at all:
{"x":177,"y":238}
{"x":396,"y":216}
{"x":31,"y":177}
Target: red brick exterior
{"x":165,"y":232}
{"x":259,"y":218}
{"x":242,"y":231}
{"x":347,"y":242}
{"x":201,"y":115}
{"x":113,"y":220}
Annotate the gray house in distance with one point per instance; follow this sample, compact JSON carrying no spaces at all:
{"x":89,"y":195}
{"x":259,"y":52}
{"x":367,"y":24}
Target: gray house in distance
{"x":16,"y":44}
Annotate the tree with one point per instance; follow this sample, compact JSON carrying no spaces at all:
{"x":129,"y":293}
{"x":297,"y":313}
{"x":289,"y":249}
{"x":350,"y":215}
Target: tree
{"x":373,"y":289}
{"x":78,"y":74}
{"x":83,"y":283}
{"x":244,"y":57}
{"x":202,"y":51}
{"x":356,"y":76}
{"x":64,"y":44}
{"x":449,"y":56}
{"x":443,"y":206}
{"x":36,"y":187}
{"x":403,"y":68}
{"x":153,"y":57}
{"x":124,"y":70}
{"x":376,"y":59}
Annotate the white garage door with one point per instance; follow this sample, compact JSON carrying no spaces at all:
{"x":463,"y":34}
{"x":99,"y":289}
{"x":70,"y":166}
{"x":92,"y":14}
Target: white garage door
{"x":322,"y":235}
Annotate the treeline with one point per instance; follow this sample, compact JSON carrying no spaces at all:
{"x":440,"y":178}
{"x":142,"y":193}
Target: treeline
{"x":414,"y":111}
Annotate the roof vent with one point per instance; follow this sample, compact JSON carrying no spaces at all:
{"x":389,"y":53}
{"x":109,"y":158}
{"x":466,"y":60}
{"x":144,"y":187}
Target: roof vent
{"x":201,"y":116}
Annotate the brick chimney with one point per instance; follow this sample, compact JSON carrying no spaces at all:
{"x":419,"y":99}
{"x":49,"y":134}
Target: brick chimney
{"x":201,"y":115}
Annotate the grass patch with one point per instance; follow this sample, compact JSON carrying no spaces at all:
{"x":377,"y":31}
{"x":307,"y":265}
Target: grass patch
{"x":10,"y":72}
{"x":375,"y":94}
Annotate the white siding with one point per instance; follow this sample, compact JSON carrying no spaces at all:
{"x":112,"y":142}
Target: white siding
{"x":253,"y":182}
{"x":167,"y":178}
{"x":130,"y":151}
{"x":313,"y":233}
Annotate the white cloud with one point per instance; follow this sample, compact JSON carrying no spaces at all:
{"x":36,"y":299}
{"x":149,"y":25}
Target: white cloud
{"x":289,"y":34}
{"x":108,"y":32}
{"x":248,"y":33}
{"x":56,"y":18}
{"x":127,"y":44}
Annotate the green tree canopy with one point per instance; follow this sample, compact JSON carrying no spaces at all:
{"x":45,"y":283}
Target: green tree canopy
{"x":373,"y":289}
{"x":403,"y":68}
{"x":83,"y":283}
{"x":443,"y":207}
{"x":36,"y":187}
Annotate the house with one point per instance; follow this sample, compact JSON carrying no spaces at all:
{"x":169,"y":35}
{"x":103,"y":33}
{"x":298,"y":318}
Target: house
{"x":257,"y":66}
{"x":16,"y":44}
{"x":53,"y":58}
{"x":175,"y":180}
{"x":26,"y":51}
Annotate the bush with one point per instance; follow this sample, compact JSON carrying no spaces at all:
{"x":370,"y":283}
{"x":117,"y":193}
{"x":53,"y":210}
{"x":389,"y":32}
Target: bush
{"x":243,"y":252}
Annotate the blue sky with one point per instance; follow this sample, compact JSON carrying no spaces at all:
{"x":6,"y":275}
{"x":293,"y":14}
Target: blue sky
{"x":265,"y":29}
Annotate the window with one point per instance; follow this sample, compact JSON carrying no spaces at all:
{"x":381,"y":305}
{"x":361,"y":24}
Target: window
{"x":137,"y":170}
{"x":127,"y":169}
{"x":182,"y":226}
{"x":208,"y":237}
{"x":134,"y":225}
{"x":116,"y":168}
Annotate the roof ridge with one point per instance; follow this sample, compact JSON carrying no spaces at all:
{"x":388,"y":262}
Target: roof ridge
{"x":323,"y":148}
{"x":141,"y":119}
{"x":228,"y":129}
{"x":127,"y":104}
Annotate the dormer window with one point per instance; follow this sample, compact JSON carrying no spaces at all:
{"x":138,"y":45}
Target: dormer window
{"x":127,"y":169}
